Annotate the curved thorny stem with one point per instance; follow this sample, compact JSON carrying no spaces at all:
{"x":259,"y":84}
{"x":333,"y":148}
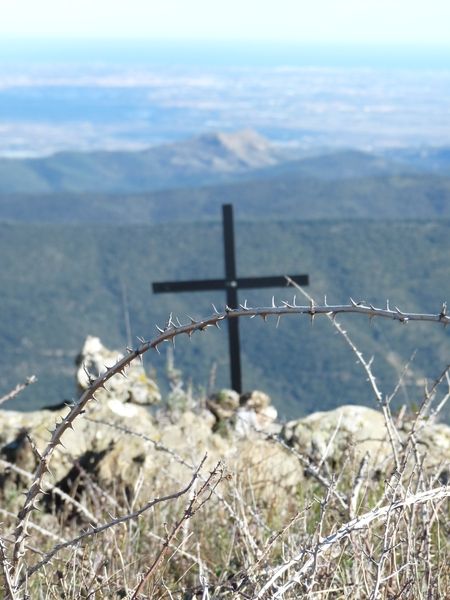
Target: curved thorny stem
{"x":168,"y":333}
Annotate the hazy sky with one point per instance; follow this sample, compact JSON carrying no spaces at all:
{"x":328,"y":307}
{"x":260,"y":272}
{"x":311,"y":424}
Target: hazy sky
{"x":352,"y":21}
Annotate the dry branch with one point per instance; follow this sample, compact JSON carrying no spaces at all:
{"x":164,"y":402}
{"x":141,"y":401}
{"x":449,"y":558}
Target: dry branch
{"x":356,"y":524}
{"x":19,"y":388}
{"x":199,"y":498}
{"x":101,"y":528}
{"x":168,"y":334}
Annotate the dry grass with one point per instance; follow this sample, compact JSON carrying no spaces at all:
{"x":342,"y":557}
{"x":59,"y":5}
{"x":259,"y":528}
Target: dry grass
{"x":346,"y":530}
{"x":348,"y":534}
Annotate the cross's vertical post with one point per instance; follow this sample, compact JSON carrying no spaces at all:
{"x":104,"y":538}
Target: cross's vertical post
{"x":232,"y":296}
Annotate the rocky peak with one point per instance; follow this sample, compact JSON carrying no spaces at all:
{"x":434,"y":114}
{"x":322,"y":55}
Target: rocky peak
{"x":226,"y":152}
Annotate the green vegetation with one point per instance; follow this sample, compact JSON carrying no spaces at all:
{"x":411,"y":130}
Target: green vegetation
{"x":286,"y":196}
{"x":63,"y":282}
{"x":73,"y":262}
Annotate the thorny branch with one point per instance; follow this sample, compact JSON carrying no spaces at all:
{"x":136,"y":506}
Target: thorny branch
{"x":54,"y":489}
{"x":168,"y":334}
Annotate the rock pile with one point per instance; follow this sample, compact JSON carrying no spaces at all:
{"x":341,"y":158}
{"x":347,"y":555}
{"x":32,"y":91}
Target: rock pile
{"x":119,"y":439}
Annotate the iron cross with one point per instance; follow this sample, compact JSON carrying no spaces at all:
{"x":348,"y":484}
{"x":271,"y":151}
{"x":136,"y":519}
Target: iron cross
{"x":231,"y":284}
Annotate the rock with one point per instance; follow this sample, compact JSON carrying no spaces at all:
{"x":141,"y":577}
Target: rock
{"x":434,"y":443}
{"x":360,"y":427}
{"x":248,"y":421}
{"x":243,"y":414}
{"x":256,"y":413}
{"x":120,"y":441}
{"x":137,"y":388}
{"x":361,"y":430}
{"x":86,"y":435}
{"x":223,"y":404}
{"x":255,"y":400}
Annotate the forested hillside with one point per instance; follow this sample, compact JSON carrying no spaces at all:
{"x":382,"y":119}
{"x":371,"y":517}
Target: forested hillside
{"x":189,"y":181}
{"x":76,"y":258}
{"x":61,"y":283}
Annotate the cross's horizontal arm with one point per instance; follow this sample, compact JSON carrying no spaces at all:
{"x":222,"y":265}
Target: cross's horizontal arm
{"x":189,"y":286}
{"x":221,"y":284}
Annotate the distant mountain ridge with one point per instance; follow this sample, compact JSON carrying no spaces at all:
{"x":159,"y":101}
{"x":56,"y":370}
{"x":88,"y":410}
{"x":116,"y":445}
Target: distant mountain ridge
{"x":204,"y":160}
{"x":282,"y":195}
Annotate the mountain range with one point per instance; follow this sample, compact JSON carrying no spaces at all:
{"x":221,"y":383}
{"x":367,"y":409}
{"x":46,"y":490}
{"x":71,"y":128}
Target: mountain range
{"x":207,"y":159}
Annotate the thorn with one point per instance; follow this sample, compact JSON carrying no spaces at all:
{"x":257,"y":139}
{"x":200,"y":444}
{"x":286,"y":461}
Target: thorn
{"x":155,"y":347}
{"x":140,"y":339}
{"x":216,"y":312}
{"x":278,"y":321}
{"x":193,"y":321}
{"x":273,"y":302}
{"x":325,"y":300}
{"x":387,"y":305}
{"x":353,"y":303}
{"x":159,"y":329}
{"x":263,"y":316}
